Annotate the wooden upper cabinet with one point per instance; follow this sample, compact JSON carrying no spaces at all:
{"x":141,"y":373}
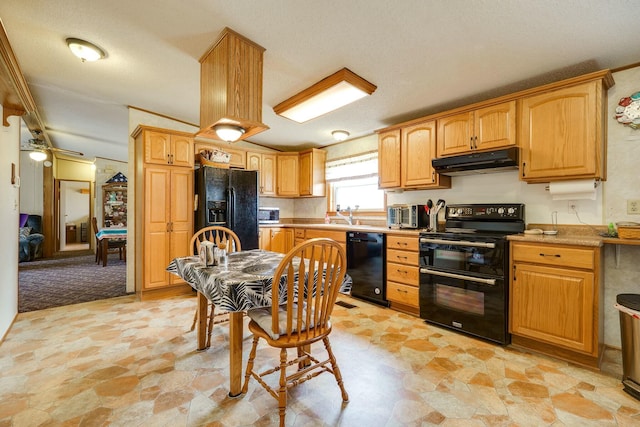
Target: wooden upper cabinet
{"x":312,"y":172}
{"x":265,"y":164}
{"x":389,"y":159}
{"x":562,"y":134}
{"x":166,"y":148}
{"x":417,"y":149}
{"x":486,"y":128}
{"x":287,"y":174}
{"x":231,"y":85}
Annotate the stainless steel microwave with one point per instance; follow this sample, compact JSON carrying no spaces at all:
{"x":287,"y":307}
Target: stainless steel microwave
{"x":268,"y":215}
{"x":407,"y":216}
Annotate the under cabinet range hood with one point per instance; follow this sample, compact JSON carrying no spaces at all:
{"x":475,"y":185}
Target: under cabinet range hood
{"x":486,"y":162}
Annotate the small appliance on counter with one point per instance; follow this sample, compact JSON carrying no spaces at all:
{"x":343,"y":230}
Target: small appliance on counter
{"x":407,"y":216}
{"x":268,"y":215}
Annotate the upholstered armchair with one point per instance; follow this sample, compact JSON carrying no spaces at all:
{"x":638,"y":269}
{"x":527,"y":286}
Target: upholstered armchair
{"x":31,"y":238}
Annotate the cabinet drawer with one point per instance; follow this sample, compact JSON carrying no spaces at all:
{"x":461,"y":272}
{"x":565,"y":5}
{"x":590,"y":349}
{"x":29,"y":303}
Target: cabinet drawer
{"x":299,"y":233}
{"x":561,"y":256}
{"x":338,"y":236}
{"x":402,"y":257}
{"x":407,"y":274}
{"x":406,"y":243}
{"x":403,"y":294}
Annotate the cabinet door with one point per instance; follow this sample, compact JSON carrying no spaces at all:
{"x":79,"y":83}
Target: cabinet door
{"x":268,"y":175}
{"x":417,"y":150}
{"x":553,"y":305}
{"x":281,"y":239}
{"x":287,"y":171}
{"x":157,"y":216}
{"x":455,"y":134}
{"x":264,"y":236}
{"x":253,"y":161}
{"x":157,"y":147}
{"x":181,"y":151}
{"x":389,"y":159}
{"x":312,"y":173}
{"x":560,"y":134}
{"x":181,"y":208}
{"x":305,"y":162}
{"x":495,"y":126}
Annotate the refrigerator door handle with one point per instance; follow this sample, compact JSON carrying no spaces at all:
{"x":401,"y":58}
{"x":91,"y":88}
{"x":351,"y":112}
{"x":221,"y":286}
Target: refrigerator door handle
{"x":231,"y":207}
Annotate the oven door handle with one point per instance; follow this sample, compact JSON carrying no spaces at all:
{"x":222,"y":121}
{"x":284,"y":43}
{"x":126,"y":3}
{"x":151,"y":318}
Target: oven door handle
{"x":458,"y":243}
{"x":490,"y":282}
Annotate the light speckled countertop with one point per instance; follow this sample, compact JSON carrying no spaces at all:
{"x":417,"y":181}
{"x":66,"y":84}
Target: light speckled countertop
{"x":578,"y":235}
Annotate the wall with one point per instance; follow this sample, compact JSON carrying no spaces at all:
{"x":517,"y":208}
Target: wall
{"x":623,"y":183}
{"x":9,"y":217}
{"x":31,"y":191}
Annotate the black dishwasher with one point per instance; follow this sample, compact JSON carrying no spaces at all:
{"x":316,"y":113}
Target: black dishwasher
{"x":366,"y":264}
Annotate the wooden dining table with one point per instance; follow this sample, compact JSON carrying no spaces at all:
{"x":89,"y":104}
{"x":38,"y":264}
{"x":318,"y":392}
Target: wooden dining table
{"x":242,"y":284}
{"x":108,"y":233}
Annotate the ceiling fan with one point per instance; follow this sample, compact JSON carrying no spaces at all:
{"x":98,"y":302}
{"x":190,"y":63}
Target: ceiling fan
{"x":39,"y":148}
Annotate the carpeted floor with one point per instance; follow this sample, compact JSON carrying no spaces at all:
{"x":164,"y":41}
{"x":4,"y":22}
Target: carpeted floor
{"x":68,"y":280}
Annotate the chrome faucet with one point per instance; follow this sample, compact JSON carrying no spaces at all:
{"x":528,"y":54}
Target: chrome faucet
{"x":349,"y":218}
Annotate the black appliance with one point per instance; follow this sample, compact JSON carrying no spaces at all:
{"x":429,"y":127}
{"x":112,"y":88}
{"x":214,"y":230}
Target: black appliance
{"x":467,"y":164}
{"x":464,"y":271}
{"x":228,"y":197}
{"x":366,"y":264}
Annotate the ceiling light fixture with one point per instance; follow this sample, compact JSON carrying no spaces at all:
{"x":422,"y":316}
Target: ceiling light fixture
{"x":84,"y":50}
{"x":330,"y":93}
{"x":229,"y":133}
{"x":38,"y":155}
{"x":340,"y":135}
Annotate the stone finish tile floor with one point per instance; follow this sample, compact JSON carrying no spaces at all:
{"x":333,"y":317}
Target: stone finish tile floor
{"x":122,"y":362}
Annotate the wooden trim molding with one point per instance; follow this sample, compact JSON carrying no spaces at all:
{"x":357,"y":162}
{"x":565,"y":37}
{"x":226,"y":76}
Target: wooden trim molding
{"x":12,"y":78}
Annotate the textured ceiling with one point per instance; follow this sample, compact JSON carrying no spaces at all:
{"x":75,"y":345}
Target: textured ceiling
{"x":423,"y":55}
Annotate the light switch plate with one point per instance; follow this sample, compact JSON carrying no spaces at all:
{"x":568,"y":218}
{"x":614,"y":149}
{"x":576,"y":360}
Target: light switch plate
{"x":633,"y":207}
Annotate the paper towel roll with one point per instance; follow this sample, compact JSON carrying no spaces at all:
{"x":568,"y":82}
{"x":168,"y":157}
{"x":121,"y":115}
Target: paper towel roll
{"x":582,"y":189}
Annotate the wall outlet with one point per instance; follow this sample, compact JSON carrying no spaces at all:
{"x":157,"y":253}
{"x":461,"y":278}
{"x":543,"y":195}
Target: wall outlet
{"x":633,"y":207}
{"x":571,"y":207}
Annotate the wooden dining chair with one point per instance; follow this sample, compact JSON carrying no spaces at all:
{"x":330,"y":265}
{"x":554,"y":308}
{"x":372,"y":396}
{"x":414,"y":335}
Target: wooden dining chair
{"x":304,"y":290}
{"x":217,"y":235}
{"x":113,"y":245}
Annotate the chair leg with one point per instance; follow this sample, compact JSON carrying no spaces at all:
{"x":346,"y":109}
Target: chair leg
{"x":195,"y":320}
{"x":252,"y":356}
{"x":336,"y":370}
{"x":282,"y":391}
{"x":210,"y":325}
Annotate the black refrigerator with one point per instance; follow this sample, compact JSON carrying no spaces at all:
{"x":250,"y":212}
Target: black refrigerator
{"x":228,"y":197}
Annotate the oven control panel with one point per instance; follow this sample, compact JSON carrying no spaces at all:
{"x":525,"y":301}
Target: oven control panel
{"x":502,"y":211}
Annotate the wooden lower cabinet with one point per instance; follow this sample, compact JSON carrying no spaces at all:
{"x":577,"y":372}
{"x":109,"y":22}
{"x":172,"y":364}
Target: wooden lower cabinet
{"x":555,"y":301}
{"x":276,"y":239}
{"x":403,"y":273}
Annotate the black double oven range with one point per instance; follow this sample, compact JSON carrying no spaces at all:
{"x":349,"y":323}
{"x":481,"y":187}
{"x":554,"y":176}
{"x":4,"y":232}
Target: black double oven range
{"x":464,"y":271}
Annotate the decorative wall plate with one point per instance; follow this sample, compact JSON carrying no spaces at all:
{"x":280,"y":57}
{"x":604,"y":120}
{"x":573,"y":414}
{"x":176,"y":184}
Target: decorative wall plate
{"x":628,"y":111}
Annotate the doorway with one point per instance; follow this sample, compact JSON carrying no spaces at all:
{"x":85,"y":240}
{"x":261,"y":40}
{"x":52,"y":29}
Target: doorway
{"x":74,"y":213}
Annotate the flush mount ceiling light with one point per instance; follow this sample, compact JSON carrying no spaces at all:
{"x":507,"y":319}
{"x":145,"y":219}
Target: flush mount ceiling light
{"x":330,"y":93}
{"x":340,"y":135}
{"x":84,"y":50}
{"x":38,"y":155}
{"x":229,"y":133}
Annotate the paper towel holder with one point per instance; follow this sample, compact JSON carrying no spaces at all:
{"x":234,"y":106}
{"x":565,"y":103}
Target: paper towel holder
{"x":595,"y":185}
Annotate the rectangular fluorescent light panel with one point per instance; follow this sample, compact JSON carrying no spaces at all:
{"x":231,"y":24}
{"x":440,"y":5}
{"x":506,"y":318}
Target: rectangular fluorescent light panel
{"x":331,"y":93}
